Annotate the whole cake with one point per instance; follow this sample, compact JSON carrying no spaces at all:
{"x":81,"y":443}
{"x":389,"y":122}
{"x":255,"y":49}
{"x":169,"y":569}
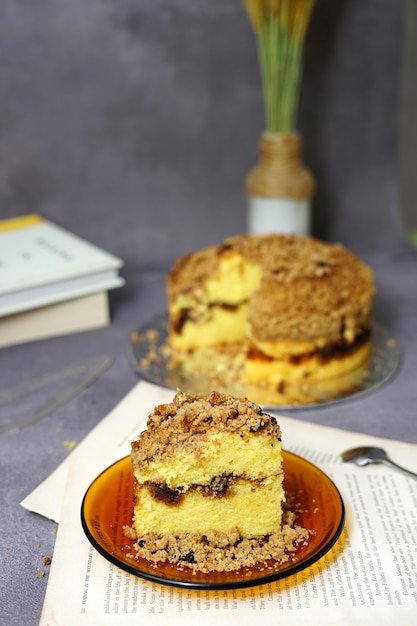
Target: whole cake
{"x":208,"y":485}
{"x":278,"y":312}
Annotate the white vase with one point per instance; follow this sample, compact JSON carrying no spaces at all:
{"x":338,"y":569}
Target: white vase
{"x":290,"y":216}
{"x":280,"y":188}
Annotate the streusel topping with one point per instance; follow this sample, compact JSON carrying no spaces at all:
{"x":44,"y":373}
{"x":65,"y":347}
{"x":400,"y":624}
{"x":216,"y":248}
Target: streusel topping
{"x":314,"y":288}
{"x":188,"y":418}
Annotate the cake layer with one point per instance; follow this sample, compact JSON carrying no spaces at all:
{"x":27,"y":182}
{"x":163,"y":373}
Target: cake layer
{"x":253,"y":508}
{"x":219,"y":324}
{"x":212,"y":454}
{"x":234,"y":281}
{"x":316,"y":365}
{"x":229,"y":371}
{"x":219,"y":312}
{"x":215,"y":274}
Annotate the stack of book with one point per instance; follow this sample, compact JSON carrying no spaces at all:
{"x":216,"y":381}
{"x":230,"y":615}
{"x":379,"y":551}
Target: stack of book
{"x":51,"y":281}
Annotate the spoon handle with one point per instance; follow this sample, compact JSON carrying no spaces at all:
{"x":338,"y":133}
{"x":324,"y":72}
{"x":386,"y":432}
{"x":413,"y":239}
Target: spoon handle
{"x":400,"y":468}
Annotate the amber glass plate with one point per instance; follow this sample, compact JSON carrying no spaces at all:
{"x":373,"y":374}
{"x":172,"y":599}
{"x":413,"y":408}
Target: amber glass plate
{"x":107,"y":507}
{"x":150,"y":358}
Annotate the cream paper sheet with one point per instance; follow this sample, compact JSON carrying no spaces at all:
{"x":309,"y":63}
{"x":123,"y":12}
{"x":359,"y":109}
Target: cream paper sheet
{"x":369,"y":575}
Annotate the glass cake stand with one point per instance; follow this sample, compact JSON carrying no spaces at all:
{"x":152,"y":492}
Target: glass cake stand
{"x":150,"y":357}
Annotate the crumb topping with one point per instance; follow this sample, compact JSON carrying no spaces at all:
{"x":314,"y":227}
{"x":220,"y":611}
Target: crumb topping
{"x":194,"y":415}
{"x":314,"y":288}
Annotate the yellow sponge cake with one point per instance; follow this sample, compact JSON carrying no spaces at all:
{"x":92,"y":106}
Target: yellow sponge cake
{"x":208,"y":483}
{"x":278,"y":312}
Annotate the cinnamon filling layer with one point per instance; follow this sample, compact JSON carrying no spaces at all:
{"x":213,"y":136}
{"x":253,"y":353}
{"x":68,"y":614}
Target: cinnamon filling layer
{"x":186,"y":315}
{"x":219,"y":487}
{"x":336,"y":350}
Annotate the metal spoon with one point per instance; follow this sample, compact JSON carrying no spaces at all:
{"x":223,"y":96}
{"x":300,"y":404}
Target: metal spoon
{"x":369,"y":454}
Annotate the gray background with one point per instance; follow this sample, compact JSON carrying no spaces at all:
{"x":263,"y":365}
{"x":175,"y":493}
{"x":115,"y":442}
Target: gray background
{"x":134,"y":123}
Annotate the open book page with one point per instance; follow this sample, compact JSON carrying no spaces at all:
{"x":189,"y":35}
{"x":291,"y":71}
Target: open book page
{"x":369,"y":576}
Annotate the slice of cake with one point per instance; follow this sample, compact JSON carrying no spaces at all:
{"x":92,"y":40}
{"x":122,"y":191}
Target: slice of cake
{"x":273,"y":311}
{"x":208,"y":483}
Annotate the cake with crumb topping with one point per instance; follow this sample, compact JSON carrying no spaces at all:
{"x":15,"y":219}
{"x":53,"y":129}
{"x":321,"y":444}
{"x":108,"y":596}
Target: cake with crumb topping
{"x":208,"y":485}
{"x":275,"y":312}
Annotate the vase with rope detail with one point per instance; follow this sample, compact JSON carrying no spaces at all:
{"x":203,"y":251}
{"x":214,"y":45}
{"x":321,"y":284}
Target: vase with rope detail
{"x":280,"y":188}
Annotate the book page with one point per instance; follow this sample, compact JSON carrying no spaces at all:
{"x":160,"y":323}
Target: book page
{"x":369,"y":575}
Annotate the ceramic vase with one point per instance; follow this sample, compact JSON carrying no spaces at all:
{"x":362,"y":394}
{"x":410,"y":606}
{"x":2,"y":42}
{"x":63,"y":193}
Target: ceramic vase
{"x":280,"y":188}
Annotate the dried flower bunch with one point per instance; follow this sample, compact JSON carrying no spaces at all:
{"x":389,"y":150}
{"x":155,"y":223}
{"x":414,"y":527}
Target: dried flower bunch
{"x":280,"y":28}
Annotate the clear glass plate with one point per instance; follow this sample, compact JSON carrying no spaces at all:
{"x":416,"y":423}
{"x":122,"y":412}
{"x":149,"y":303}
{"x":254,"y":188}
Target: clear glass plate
{"x":108,"y":506}
{"x":149,"y":356}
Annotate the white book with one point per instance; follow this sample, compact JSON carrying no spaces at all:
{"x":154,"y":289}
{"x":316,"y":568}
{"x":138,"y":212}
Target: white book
{"x":61,"y":318}
{"x":42,"y":263}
